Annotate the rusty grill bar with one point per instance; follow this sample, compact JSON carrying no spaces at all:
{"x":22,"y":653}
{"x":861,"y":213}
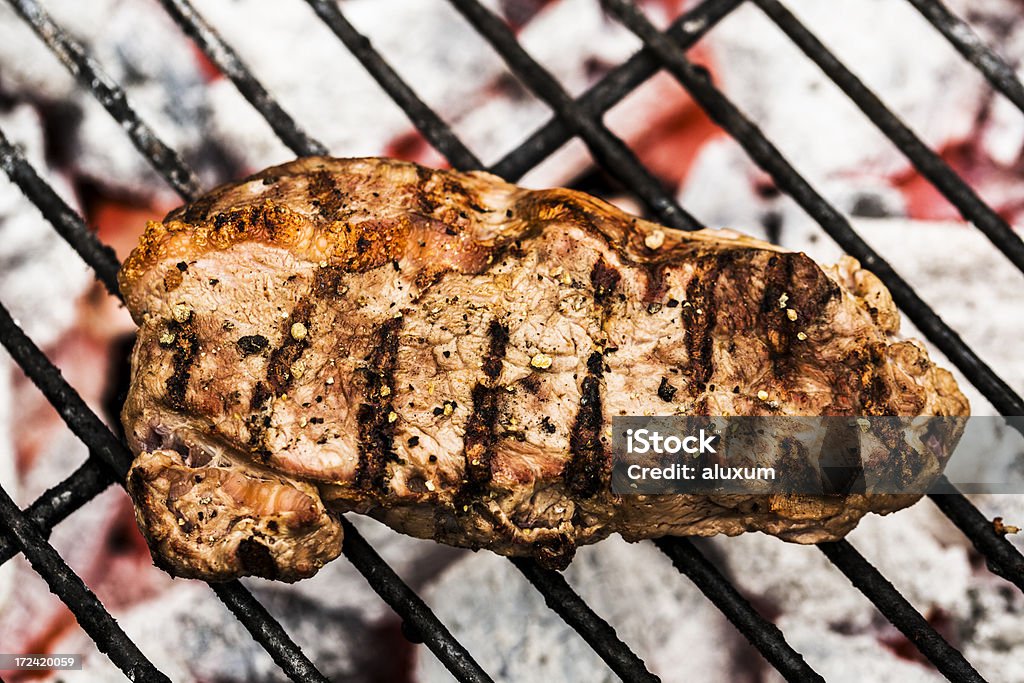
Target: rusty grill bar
{"x":26,"y":531}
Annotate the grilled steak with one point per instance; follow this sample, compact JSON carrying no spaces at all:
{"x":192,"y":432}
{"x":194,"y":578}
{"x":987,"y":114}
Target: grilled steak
{"x":445,"y":351}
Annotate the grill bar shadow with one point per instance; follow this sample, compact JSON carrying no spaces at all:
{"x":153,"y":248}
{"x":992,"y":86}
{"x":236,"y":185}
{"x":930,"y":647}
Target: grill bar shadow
{"x":761,"y":633}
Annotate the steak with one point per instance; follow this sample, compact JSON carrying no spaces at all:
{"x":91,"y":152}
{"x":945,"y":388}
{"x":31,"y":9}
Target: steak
{"x":445,"y":351}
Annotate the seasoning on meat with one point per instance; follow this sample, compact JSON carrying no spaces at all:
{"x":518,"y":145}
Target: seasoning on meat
{"x":445,"y":352}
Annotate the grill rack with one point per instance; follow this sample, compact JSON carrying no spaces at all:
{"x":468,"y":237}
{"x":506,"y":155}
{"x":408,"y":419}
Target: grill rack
{"x":26,"y":531}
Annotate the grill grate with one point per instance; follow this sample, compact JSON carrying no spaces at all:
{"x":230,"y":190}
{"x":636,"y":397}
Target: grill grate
{"x":26,"y":531}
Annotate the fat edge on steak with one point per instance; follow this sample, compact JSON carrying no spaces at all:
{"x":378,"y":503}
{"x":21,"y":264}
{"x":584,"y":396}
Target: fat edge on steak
{"x":444,"y":351}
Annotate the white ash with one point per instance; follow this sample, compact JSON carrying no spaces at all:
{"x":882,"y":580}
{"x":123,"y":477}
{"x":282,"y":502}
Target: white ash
{"x":908,"y":64}
{"x":995,"y":643}
{"x":841,"y":658}
{"x":460,"y":76}
{"x":40,"y":280}
{"x":501,"y":618}
{"x":196,"y":638}
{"x":838,"y":630}
{"x":325,"y":88}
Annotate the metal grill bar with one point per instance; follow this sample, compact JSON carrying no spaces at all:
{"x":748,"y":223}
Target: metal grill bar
{"x":185,"y":15}
{"x":566,"y":603}
{"x":610,"y":151}
{"x":927,"y":162}
{"x":901,"y":613}
{"x":1001,"y":556}
{"x":102,"y":442}
{"x":622,"y":80}
{"x":611,"y":89}
{"x":768,"y":157}
{"x":266,"y":631}
{"x":433,"y":128}
{"x":65,"y":584}
{"x":761,"y":633}
{"x":1000,"y":74}
{"x":88,"y":72}
{"x":64,"y":219}
{"x":57,"y":503}
{"x":420,"y":618}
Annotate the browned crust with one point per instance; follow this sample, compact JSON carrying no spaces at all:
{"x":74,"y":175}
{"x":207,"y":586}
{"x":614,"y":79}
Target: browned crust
{"x":325,"y":234}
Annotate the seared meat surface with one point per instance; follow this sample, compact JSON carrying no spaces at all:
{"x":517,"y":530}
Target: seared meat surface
{"x":445,"y":352}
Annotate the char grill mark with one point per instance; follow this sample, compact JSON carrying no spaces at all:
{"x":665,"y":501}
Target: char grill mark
{"x":604,"y":278}
{"x":255,"y":559}
{"x":585,"y":472}
{"x":279,"y":367}
{"x":497,"y":344}
{"x":186,"y":350}
{"x":699,"y":314}
{"x":326,"y":196}
{"x":479,"y":443}
{"x":481,"y":427}
{"x":778,"y":289}
{"x":376,"y":416}
{"x":792,"y":283}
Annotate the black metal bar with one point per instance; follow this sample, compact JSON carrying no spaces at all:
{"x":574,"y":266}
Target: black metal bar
{"x":91,"y":76}
{"x":66,"y":585}
{"x":58,"y":502}
{"x":1000,"y":74}
{"x":1001,"y":556}
{"x":927,"y":162}
{"x":609,"y":150}
{"x":761,"y":633}
{"x":567,"y":604}
{"x":433,"y":128}
{"x":102,"y":442}
{"x":612,"y":89}
{"x":383,"y":579}
{"x":869,"y":581}
{"x":69,"y":405}
{"x":64,"y":219}
{"x":768,"y":157}
{"x":229,"y":63}
{"x":266,"y":631}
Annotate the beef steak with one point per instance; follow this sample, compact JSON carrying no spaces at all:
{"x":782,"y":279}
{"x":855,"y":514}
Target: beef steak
{"x":445,"y":351}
